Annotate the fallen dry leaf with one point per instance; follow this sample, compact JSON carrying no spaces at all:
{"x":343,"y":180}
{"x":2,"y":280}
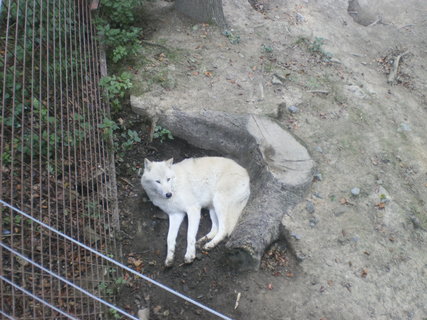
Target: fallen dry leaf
{"x":380,"y":205}
{"x":137,"y":263}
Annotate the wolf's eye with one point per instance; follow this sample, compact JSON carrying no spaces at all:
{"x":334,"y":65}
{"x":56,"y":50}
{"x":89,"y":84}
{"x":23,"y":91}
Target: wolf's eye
{"x":169,"y":179}
{"x":158,"y":181}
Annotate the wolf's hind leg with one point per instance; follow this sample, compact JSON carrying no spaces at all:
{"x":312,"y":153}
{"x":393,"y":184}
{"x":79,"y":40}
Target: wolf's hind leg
{"x":220,"y":205}
{"x":214,"y":228}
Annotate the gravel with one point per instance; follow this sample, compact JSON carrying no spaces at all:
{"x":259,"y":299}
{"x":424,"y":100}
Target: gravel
{"x":293,"y":109}
{"x":309,"y":206}
{"x":355,"y":191}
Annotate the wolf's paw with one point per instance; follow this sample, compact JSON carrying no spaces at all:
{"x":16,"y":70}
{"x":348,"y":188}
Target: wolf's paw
{"x":208,"y":246}
{"x":168,"y":262}
{"x":189,"y":258}
{"x":200,"y":241}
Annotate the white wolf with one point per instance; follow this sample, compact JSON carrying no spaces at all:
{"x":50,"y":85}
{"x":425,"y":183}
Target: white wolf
{"x":218,"y":184}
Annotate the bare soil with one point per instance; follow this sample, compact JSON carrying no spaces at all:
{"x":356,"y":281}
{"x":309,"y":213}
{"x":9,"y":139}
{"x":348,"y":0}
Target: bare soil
{"x":360,"y":256}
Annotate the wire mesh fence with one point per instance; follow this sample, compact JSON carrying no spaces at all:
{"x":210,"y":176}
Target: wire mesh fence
{"x":55,"y":161}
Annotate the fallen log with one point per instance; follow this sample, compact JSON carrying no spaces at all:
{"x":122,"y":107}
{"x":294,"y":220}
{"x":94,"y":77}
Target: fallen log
{"x":280,"y":168}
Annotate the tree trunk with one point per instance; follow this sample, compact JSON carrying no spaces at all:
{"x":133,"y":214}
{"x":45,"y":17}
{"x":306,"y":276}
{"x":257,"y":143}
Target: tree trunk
{"x":209,"y":11}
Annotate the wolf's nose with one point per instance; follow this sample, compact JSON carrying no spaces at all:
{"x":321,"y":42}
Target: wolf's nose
{"x":168,"y":195}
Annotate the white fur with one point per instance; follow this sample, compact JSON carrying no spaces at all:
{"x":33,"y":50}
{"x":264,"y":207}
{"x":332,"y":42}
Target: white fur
{"x":218,"y":184}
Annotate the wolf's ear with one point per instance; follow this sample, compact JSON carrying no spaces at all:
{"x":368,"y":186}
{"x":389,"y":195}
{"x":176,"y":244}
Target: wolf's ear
{"x":169,"y":162}
{"x":147,"y":164}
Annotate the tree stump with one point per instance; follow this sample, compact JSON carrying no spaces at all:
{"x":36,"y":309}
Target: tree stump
{"x":208,"y":11}
{"x":280,"y":169}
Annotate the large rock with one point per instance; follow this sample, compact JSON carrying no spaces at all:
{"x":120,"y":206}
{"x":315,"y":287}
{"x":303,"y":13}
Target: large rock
{"x":280,"y":168}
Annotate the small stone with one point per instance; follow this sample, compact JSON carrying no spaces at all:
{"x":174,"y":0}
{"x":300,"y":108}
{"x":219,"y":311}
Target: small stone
{"x":299,"y":17}
{"x":293,"y":109}
{"x":404,"y":127}
{"x":309,"y":206}
{"x":157,"y":309}
{"x":318,"y":149}
{"x":276,"y":81}
{"x":317,"y":195}
{"x":356,"y":90}
{"x":339,"y":212}
{"x":313,"y":222}
{"x":355,"y":191}
{"x":296,"y":236}
{"x":416,"y":222}
{"x":300,"y":256}
{"x":317,"y":177}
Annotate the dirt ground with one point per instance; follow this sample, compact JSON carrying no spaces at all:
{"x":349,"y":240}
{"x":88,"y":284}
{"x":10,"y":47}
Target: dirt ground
{"x":209,"y":280}
{"x":322,"y":68}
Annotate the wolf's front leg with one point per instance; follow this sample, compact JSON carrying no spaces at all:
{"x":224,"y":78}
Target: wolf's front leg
{"x":193,"y":215}
{"x":175,"y":220}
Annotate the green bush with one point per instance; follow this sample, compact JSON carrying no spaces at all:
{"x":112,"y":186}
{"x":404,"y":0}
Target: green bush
{"x":115,"y":29}
{"x":115,"y":88}
{"x":119,"y":13}
{"x":162,"y":134}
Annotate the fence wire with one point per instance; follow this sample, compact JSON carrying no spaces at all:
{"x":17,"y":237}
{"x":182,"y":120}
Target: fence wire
{"x":113,"y":262}
{"x":55,"y":161}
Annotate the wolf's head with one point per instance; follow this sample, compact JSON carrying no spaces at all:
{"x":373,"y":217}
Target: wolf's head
{"x":157,"y":178}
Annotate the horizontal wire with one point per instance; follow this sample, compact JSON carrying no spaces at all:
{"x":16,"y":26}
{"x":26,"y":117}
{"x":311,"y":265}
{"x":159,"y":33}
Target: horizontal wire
{"x":36,"y":297}
{"x":67,"y":282}
{"x":140,"y":275}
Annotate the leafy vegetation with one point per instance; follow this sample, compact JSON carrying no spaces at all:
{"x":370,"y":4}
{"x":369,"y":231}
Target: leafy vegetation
{"x":47,"y":135}
{"x":115,"y":88}
{"x":33,"y":126}
{"x":232,"y":37}
{"x":50,"y":146}
{"x":266,"y":48}
{"x":115,"y":29}
{"x":162,"y":134}
{"x":121,"y":39}
{"x":315,"y":47}
{"x":123,"y":139}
